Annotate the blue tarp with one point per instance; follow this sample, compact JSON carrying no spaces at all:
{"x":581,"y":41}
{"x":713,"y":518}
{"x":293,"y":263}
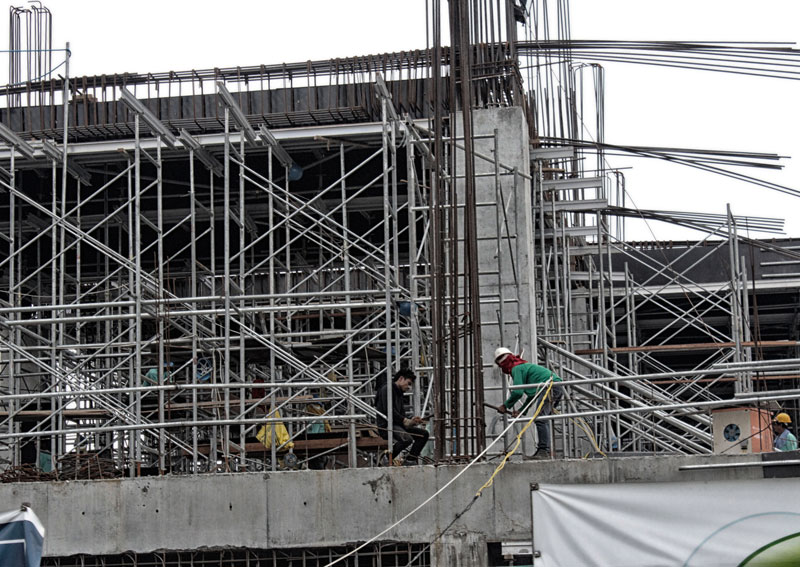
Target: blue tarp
{"x":21,"y":538}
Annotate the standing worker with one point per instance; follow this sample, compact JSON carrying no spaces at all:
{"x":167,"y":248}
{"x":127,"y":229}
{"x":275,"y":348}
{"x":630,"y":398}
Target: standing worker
{"x":524,"y":372}
{"x":784,"y":440}
{"x":404,"y":430}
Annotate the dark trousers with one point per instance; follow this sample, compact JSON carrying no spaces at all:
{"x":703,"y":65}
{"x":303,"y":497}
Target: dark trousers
{"x":543,"y":427}
{"x":416,"y":437}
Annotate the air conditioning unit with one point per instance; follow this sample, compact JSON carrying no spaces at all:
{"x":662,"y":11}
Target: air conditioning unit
{"x":741,"y":430}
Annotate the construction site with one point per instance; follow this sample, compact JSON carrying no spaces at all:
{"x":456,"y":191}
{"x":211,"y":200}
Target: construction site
{"x":206,"y":275}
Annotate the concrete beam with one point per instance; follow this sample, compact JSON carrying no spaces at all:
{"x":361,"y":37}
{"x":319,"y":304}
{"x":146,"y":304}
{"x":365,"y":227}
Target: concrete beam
{"x":367,"y":129}
{"x":322,"y":508}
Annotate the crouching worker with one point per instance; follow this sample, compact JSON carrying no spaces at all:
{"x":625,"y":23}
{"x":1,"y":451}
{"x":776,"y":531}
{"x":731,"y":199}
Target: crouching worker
{"x":404,"y":429}
{"x":524,"y":372}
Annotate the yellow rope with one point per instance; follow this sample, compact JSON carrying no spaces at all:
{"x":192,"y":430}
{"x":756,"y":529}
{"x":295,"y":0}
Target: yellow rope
{"x":591,"y":437}
{"x":581,"y":423}
{"x":517,"y":444}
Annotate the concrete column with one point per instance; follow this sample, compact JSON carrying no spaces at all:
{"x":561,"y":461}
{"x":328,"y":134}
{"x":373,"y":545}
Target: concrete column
{"x":516,"y":259}
{"x":455,"y":550}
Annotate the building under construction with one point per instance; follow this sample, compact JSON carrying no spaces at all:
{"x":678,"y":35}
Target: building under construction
{"x":205,"y":276}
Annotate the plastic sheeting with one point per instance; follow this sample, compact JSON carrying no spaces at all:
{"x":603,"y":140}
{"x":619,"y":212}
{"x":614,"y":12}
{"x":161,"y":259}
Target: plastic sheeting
{"x":282,"y":437}
{"x":691,"y":524}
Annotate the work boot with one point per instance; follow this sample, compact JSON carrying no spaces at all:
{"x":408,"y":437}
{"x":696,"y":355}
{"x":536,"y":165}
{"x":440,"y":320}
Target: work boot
{"x":384,"y":461}
{"x":539,"y":455}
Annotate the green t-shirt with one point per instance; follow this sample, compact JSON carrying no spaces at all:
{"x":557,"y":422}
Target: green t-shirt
{"x":528,"y":373}
{"x":786,"y":441}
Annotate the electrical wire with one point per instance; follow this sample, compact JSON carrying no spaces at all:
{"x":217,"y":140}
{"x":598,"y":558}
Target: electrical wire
{"x":443,"y":488}
{"x":517,"y":442}
{"x":584,"y":426}
{"x":39,"y":78}
{"x":489,"y":482}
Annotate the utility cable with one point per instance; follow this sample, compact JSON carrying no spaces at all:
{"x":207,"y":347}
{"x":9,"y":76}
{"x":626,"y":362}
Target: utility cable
{"x":434,"y":495}
{"x":36,"y":79}
{"x":494,"y":474}
{"x":517,"y":442}
{"x":583,"y":426}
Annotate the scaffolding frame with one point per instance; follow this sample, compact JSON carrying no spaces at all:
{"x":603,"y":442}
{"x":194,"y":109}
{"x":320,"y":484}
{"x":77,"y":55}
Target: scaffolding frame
{"x":597,"y":292}
{"x":205,"y":307}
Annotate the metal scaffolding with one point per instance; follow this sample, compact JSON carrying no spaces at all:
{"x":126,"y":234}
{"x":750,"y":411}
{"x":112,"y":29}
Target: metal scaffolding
{"x":201,"y":303}
{"x":635,"y":327}
{"x":215,"y":270}
{"x":376,"y":555}
{"x":182,"y":313}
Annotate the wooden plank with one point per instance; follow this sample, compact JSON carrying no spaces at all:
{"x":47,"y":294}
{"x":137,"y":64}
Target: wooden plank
{"x":312,"y":445}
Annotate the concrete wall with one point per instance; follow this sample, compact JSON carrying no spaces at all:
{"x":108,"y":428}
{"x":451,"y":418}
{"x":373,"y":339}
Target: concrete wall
{"x":322,"y":508}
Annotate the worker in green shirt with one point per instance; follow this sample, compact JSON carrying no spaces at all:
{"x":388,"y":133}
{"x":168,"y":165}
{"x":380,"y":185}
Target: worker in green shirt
{"x":784,"y":440}
{"x":524,"y":372}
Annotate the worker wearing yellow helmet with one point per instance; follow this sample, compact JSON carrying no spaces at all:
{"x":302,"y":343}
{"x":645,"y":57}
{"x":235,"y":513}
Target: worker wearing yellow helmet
{"x":784,"y":440}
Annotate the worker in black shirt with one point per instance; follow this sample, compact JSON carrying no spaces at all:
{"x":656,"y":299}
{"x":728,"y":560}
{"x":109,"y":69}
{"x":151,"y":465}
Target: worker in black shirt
{"x":404,"y":428}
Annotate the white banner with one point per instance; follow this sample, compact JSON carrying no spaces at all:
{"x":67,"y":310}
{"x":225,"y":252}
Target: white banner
{"x":751,"y":523}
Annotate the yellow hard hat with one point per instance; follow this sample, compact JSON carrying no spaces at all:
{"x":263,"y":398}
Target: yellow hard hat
{"x":783,"y":418}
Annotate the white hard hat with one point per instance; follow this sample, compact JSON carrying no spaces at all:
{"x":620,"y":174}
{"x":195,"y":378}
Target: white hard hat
{"x":501,"y":353}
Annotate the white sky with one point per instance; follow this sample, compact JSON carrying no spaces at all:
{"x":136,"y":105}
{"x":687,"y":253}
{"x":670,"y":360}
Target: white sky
{"x":644,"y":105}
{"x":668,"y":107}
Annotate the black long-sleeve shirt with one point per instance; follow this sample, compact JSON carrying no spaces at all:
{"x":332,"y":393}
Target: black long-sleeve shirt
{"x":398,"y":411}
